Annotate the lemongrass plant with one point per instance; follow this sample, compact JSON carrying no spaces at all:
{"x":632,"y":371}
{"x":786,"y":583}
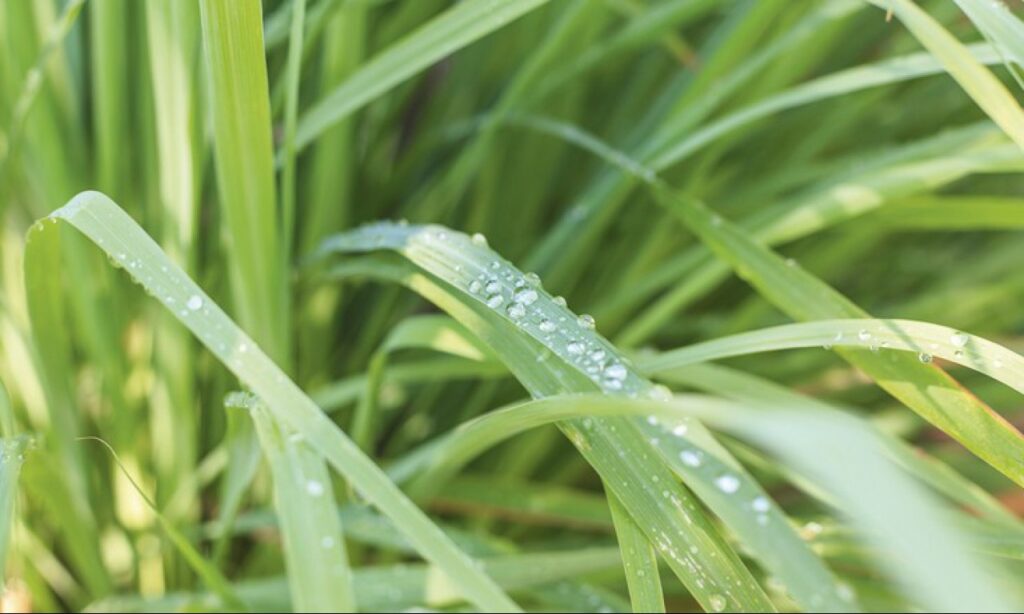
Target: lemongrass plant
{"x":296,"y":305}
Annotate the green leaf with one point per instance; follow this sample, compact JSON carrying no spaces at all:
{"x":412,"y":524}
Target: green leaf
{"x":319,"y":576}
{"x":445,"y":34}
{"x":114,"y":232}
{"x":924,"y":388}
{"x":926,"y":341}
{"x":550,"y":349}
{"x":976,"y":80}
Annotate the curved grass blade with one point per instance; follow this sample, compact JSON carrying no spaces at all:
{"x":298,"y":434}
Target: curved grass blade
{"x":976,"y":80}
{"x":1000,"y":26}
{"x":101,"y":220}
{"x":924,"y":388}
{"x":925,"y":339}
{"x":209,"y":574}
{"x":429,"y":331}
{"x":597,"y":207}
{"x":884,"y":517}
{"x":445,"y":34}
{"x":886,"y":72}
{"x":639,"y":561}
{"x":929,"y":556}
{"x":744,"y":387}
{"x":552,"y":351}
{"x":319,"y":576}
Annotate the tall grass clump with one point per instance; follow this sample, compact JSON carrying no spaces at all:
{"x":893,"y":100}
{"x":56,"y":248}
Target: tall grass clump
{"x":506,"y":305}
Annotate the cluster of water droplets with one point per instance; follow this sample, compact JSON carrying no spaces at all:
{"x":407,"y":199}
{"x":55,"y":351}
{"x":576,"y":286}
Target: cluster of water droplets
{"x":12,"y":449}
{"x":517,"y":296}
{"x":876,"y":341}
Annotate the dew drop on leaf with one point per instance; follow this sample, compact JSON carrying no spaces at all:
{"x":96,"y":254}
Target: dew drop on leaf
{"x":690,"y":458}
{"x":516,"y":311}
{"x":727,"y":483}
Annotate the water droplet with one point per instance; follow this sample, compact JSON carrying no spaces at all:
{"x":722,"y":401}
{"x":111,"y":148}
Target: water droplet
{"x":314,"y":488}
{"x":475,"y":287}
{"x":495,"y":300}
{"x":652,"y":420}
{"x":525,"y":295}
{"x":811,"y":529}
{"x":195,"y":302}
{"x":559,"y":300}
{"x":612,"y":384}
{"x":959,"y":339}
{"x":479,"y":239}
{"x":615,"y":371}
{"x":680,"y":430}
{"x":924,"y":357}
{"x":761,"y":504}
{"x":516,"y":311}
{"x":574,"y":347}
{"x":586,"y":321}
{"x":864,"y":335}
{"x":327,"y":542}
{"x":727,"y":483}
{"x":690,"y":458}
{"x":532,"y":278}
{"x":717,"y":603}
{"x":493,"y":287}
{"x":495,"y":265}
{"x":660,"y":392}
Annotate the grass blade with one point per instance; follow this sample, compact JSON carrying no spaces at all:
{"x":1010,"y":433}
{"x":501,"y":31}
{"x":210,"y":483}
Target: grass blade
{"x":927,"y":390}
{"x":480,"y":290}
{"x":243,"y":155}
{"x":113,"y":231}
{"x":209,"y":574}
{"x":924,"y":339}
{"x":976,"y":80}
{"x":442,"y":36}
{"x":319,"y":577}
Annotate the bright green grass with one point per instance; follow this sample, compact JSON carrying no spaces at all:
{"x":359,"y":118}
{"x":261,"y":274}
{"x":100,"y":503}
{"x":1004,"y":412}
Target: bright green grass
{"x":299,"y":266}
